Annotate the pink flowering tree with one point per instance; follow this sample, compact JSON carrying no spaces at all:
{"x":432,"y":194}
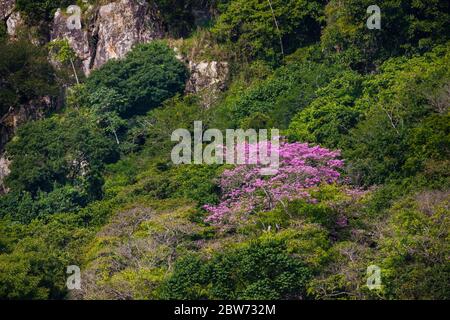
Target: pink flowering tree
{"x":301,"y":168}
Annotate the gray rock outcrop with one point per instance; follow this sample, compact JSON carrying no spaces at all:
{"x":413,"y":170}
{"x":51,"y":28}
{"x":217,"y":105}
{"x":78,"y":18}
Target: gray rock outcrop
{"x":109,"y":31}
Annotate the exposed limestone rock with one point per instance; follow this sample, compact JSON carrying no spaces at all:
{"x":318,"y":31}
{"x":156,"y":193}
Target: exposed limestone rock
{"x":15,"y":117}
{"x":6,"y":8}
{"x":207,"y":75}
{"x":77,"y":38}
{"x":13,"y":23}
{"x":208,"y":78}
{"x":10,"y":19}
{"x":4,"y":171}
{"x":111,"y":31}
{"x":122,"y":24}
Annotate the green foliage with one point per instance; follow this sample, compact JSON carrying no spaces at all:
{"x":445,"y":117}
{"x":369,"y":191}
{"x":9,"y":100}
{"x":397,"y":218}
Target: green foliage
{"x":63,"y":53}
{"x":194,"y":182}
{"x":57,"y":167}
{"x":148,"y":75}
{"x":331,"y":115}
{"x":406,"y":26}
{"x":258,"y":270}
{"x":34,"y":265}
{"x":279,"y":96}
{"x":180,"y":17}
{"x":414,"y":253}
{"x":23,"y":207}
{"x":395,"y":102}
{"x":428,"y":147}
{"x":177,"y":15}
{"x":62,"y":50}
{"x":25,"y":74}
{"x":40,"y":10}
{"x":58,"y":151}
{"x":3,"y":33}
{"x":178,"y":112}
{"x":106,"y":106}
{"x":249,"y":27}
{"x":141,"y":232}
{"x":136,"y":226}
{"x":25,"y":272}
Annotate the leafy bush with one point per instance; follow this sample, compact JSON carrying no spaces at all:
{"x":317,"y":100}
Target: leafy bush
{"x":148,"y":75}
{"x":25,"y":74}
{"x":255,"y":29}
{"x":59,"y":151}
{"x":414,"y":247}
{"x":295,"y":235}
{"x":406,"y":26}
{"x":280,"y":96}
{"x":395,"y":102}
{"x":40,"y":10}
{"x":19,"y":206}
{"x":258,"y":270}
{"x":31,"y":272}
{"x":180,"y":18}
{"x":178,"y":112}
{"x":328,"y":118}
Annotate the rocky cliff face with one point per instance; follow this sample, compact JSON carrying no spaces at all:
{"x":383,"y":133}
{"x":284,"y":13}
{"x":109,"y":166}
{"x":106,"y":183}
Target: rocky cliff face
{"x":207,"y":79}
{"x":111,"y":30}
{"x":77,"y":38}
{"x":8,"y":17}
{"x":13,"y":23}
{"x":108,"y":31}
{"x":9,"y":123}
{"x":120,"y":25}
{"x":6,"y":8}
{"x":4,"y":171}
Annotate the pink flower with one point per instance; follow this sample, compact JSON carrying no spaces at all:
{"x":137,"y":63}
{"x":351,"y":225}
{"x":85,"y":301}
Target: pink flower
{"x":302,"y":167}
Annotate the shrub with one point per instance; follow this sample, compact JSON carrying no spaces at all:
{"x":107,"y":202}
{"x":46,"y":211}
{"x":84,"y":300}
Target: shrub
{"x":148,"y":75}
{"x":266,"y":30}
{"x":395,"y":102}
{"x":329,"y":117}
{"x":59,"y":151}
{"x":280,"y":96}
{"x":25,"y":74}
{"x":406,"y":27}
{"x":258,"y":270}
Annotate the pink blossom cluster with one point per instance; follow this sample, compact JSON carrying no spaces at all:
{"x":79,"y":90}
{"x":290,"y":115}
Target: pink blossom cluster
{"x":301,"y":168}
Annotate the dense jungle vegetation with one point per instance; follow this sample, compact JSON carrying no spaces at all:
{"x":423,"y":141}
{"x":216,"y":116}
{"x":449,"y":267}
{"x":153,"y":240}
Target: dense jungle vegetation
{"x":93,"y":185}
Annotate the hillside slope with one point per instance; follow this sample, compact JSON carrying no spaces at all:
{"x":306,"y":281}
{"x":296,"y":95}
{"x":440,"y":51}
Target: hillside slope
{"x":89,"y":103}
